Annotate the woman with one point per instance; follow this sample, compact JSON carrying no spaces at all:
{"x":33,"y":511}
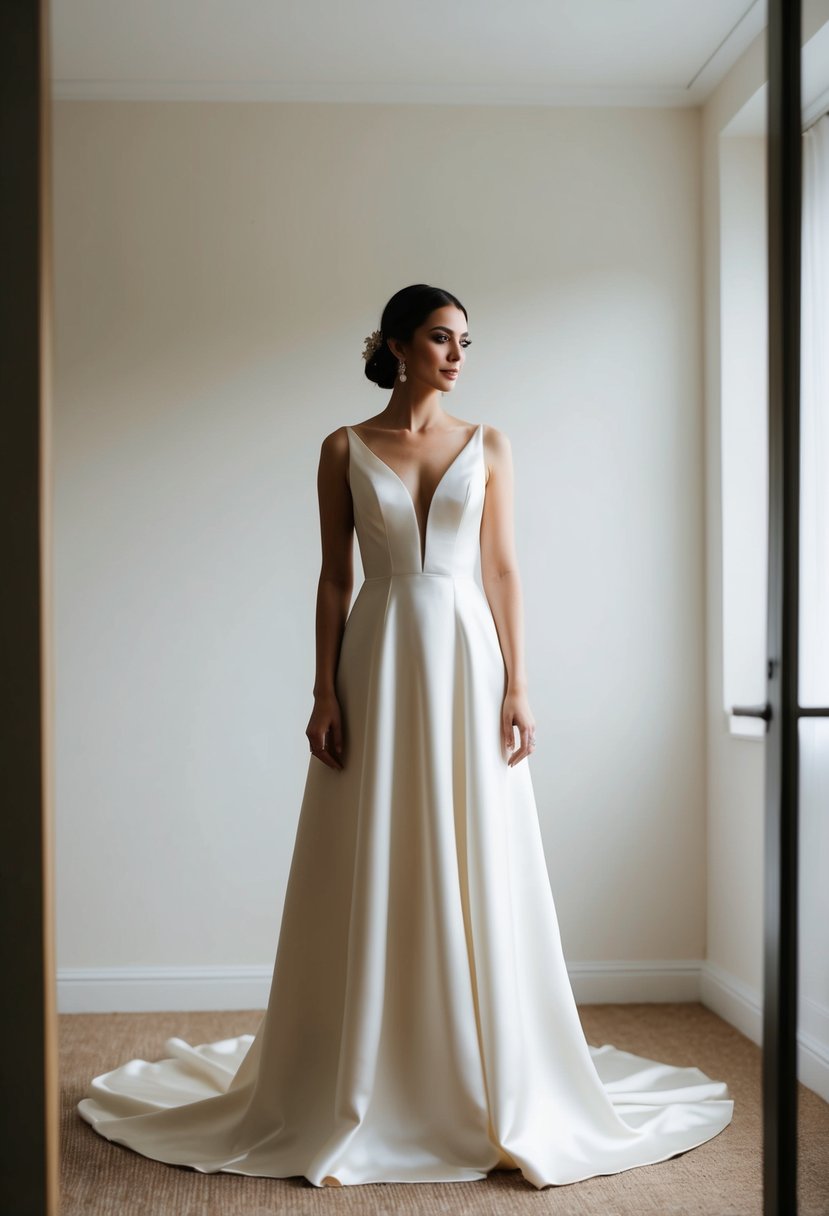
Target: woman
{"x":419,"y":442}
{"x":420,"y":1026}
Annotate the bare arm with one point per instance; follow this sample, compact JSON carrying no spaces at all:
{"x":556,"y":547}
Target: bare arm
{"x":336,"y":582}
{"x":502,"y":586}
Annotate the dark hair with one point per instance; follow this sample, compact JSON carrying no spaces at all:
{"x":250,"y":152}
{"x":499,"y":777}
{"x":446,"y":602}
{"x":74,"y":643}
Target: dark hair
{"x":404,"y":313}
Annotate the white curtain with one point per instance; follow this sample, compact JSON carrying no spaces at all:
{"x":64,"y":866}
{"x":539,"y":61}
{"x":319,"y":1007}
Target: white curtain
{"x":814,"y":589}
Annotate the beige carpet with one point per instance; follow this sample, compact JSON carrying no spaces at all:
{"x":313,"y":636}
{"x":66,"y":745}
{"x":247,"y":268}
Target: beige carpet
{"x":720,"y":1178}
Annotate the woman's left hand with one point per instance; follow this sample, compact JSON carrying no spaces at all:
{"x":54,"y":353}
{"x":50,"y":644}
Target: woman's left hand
{"x":516,"y":712}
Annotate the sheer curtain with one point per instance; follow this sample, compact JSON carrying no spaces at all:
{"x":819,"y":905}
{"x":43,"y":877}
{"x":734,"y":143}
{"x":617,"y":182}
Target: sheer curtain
{"x":814,"y":604}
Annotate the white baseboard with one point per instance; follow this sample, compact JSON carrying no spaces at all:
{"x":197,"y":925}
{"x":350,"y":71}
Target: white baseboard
{"x":153,"y":989}
{"x":733,"y":1000}
{"x":162,"y":989}
{"x":742,"y":1006}
{"x":621,"y":982}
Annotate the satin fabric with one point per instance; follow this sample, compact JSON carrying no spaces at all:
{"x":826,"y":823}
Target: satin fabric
{"x":420,"y":1025}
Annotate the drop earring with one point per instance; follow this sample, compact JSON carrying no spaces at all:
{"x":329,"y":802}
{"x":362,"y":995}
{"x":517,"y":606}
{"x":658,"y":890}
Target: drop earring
{"x":402,"y":369}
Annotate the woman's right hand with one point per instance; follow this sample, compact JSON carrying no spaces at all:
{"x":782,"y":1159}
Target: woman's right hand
{"x":325,"y":726}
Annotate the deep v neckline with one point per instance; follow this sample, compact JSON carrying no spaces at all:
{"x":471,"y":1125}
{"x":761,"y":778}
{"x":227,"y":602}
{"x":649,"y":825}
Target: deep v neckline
{"x":423,"y":539}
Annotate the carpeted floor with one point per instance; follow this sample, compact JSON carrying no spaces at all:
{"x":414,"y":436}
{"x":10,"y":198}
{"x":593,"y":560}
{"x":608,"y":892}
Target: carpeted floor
{"x":719,"y":1178}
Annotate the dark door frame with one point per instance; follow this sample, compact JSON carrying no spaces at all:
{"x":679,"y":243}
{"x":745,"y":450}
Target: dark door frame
{"x":780,"y":956}
{"x":782,"y":710}
{"x":28,"y":1018}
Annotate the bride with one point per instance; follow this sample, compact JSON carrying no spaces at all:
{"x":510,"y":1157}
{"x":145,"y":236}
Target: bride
{"x":420,"y":1026}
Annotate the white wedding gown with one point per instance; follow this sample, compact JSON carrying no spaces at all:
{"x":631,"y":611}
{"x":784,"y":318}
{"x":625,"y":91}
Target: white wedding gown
{"x":420,"y":1026}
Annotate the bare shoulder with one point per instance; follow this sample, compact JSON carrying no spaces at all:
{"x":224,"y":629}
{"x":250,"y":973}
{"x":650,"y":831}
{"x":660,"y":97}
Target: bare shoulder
{"x":335,"y":444}
{"x":334,"y":452}
{"x":333,"y":460}
{"x":497,"y":450}
{"x":495,"y":441}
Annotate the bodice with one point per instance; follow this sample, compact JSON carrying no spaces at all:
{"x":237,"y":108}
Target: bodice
{"x":386,"y":523}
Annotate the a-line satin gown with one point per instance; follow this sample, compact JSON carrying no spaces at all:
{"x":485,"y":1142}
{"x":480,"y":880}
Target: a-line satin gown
{"x":420,"y":1026}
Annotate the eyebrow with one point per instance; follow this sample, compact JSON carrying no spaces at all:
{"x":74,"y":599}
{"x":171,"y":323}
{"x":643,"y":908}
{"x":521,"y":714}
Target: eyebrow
{"x":465,"y":333}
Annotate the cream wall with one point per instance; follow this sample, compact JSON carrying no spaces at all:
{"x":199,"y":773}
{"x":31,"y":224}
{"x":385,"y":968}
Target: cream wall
{"x":217,"y":269}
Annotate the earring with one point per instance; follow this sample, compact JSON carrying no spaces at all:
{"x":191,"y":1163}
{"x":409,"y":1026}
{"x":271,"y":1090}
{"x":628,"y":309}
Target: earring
{"x":402,"y":370}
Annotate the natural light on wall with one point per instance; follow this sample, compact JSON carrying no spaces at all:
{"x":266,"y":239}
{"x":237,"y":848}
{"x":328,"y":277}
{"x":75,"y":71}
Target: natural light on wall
{"x":744,"y":396}
{"x":813,"y":910}
{"x":814,"y":420}
{"x":744,"y":388}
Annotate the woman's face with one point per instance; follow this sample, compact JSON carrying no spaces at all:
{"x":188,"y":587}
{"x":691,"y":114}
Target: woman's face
{"x":438,"y":346}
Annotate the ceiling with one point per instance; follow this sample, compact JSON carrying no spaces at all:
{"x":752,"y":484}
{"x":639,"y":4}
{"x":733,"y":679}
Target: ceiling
{"x":528,"y":52}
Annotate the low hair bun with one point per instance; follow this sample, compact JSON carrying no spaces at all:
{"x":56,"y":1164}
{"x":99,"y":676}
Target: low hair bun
{"x":381,"y":366}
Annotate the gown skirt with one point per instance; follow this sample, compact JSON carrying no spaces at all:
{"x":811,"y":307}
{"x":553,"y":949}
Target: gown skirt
{"x":420,"y":1025}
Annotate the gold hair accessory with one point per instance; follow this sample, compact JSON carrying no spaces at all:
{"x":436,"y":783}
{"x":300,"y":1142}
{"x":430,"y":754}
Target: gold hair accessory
{"x":373,"y":341}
